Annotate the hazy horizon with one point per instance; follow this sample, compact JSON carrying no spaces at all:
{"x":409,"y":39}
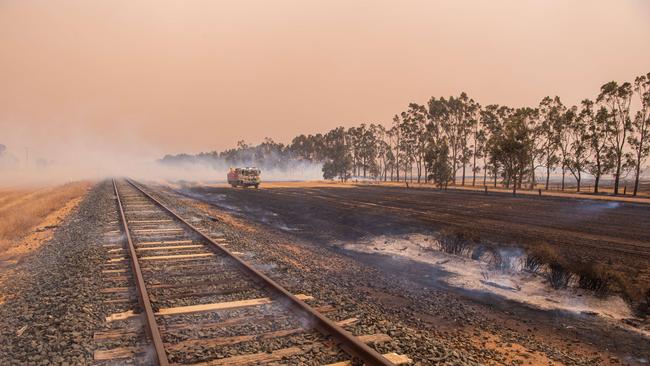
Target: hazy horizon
{"x":153,"y":78}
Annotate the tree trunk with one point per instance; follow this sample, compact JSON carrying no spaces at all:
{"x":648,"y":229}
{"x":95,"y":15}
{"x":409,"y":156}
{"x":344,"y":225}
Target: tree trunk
{"x":463,"y":179}
{"x":532,"y":178}
{"x":598,"y":172}
{"x":617,"y":175}
{"x":397,"y":163}
{"x":474,"y":171}
{"x":636,"y":180}
{"x":548,"y":175}
{"x":563,"y":174}
{"x":484,"y":173}
{"x":453,"y":173}
{"x":638,"y":169}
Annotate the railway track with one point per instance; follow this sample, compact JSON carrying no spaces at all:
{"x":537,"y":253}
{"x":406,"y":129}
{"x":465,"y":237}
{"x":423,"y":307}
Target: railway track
{"x":196,"y":302}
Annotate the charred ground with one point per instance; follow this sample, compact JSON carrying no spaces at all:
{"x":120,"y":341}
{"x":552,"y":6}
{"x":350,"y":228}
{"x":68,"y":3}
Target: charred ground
{"x":612,"y":234}
{"x":616,"y":229}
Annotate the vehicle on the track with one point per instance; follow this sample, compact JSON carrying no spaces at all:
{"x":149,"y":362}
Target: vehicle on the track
{"x":244,"y":177}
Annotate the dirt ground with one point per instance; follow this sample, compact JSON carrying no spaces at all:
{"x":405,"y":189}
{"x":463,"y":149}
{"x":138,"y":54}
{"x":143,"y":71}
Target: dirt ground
{"x":323,"y":213}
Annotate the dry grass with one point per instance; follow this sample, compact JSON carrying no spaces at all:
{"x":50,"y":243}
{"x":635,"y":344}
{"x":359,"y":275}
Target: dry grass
{"x":24,"y":209}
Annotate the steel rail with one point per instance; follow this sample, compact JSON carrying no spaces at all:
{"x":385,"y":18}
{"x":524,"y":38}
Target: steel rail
{"x":344,"y":339}
{"x":143,"y":297}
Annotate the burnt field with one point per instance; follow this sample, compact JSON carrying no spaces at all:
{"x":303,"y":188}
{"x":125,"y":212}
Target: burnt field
{"x":584,"y":227}
{"x":609,"y":235}
{"x":613,"y":235}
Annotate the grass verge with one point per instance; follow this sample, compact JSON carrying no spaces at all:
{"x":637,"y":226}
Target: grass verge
{"x":23,"y":210}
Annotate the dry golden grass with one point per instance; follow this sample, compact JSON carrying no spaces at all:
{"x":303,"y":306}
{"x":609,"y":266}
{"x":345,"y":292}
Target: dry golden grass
{"x":24,"y":209}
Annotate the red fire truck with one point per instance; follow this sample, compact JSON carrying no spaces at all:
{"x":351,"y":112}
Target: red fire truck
{"x":244,"y":177}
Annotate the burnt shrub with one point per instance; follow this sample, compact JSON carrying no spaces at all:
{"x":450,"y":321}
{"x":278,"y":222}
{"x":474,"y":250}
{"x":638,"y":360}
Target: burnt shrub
{"x":508,"y":258}
{"x":558,"y":275}
{"x":496,"y":260}
{"x":457,"y":241}
{"x":594,"y":277}
{"x":643,"y":309}
{"x":533,"y":263}
{"x":635,"y":293}
{"x":539,"y":255}
{"x":478,"y":252}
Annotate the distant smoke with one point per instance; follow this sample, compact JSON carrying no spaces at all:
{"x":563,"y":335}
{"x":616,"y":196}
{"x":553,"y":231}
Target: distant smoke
{"x":77,"y":161}
{"x":277,"y":161}
{"x":199,"y":169}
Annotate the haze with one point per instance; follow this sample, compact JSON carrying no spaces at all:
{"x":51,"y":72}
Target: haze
{"x":98,"y":78}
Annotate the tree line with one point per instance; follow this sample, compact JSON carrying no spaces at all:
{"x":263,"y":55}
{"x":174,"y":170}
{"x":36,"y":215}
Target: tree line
{"x":495,"y":144}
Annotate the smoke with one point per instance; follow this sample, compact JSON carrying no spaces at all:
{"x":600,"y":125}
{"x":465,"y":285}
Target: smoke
{"x":215,"y":171}
{"x":87,"y":154}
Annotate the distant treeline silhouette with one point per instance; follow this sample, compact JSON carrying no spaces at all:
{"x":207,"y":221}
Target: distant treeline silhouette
{"x":433,"y":142}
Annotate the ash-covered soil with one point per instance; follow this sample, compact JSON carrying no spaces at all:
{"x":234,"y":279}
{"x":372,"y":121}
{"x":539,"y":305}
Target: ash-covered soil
{"x":294,"y":229}
{"x":52,"y":307}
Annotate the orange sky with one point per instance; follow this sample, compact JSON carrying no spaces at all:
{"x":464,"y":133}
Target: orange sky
{"x":169,"y":76}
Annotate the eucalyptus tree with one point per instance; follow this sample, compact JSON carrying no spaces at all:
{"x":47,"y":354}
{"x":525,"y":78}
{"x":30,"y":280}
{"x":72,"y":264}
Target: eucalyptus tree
{"x":529,"y":118}
{"x":396,"y":142}
{"x":382,"y":147}
{"x":408,"y":143}
{"x":354,"y":135}
{"x":367,"y":148}
{"x":452,"y":115}
{"x":433,"y":139}
{"x":617,"y":98}
{"x":415,"y":122}
{"x":338,"y":162}
{"x":494,"y":119}
{"x":641,"y":125}
{"x":550,"y":134}
{"x":597,"y":142}
{"x":565,"y":118}
{"x":578,"y":158}
{"x":466,"y":130}
{"x":455,"y":128}
{"x":439,"y":170}
{"x":479,"y":137}
{"x":511,"y":147}
{"x":534,"y":128}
